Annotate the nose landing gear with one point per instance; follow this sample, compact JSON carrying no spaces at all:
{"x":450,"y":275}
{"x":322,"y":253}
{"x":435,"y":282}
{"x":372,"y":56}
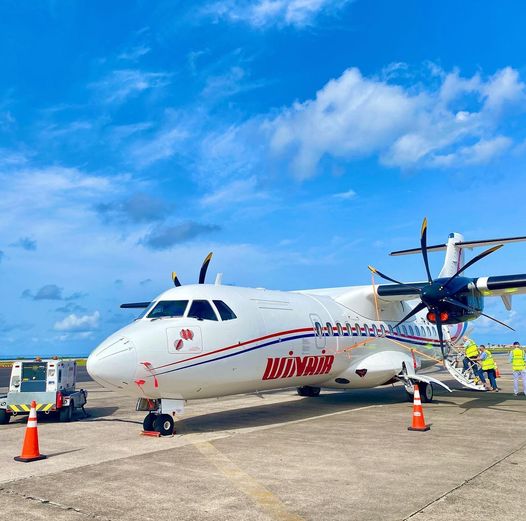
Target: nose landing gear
{"x":161,"y":423}
{"x":160,"y":417}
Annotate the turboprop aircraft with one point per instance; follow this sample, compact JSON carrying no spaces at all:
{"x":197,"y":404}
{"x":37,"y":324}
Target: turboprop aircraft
{"x":210,"y":340}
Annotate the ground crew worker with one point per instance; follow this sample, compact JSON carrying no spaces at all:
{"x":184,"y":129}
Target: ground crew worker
{"x":518,"y":364}
{"x":471,"y":353}
{"x":488,"y":366}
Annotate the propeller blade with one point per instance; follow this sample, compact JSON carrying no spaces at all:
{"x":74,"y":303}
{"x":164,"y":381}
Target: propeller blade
{"x":135,"y":305}
{"x":423,"y":247}
{"x":204,"y":267}
{"x":440,"y":332}
{"x":472,"y":261}
{"x":414,"y":311}
{"x":468,"y":308}
{"x":380,"y":274}
{"x":177,"y":283}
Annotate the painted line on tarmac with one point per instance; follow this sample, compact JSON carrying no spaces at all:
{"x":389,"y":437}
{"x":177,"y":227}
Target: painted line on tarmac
{"x":465,"y":482}
{"x":246,"y":484}
{"x":303,"y":420}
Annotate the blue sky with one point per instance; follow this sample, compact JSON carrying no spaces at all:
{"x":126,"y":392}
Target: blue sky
{"x":300,"y":140}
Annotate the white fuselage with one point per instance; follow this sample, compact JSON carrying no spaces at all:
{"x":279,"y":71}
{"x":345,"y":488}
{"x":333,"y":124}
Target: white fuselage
{"x":340,"y":338}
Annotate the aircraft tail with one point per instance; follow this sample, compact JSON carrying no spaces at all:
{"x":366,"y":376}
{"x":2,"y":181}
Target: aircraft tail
{"x":454,"y":255}
{"x":454,"y":249}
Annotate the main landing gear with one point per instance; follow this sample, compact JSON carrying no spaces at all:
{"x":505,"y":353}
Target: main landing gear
{"x":426,"y":392}
{"x":307,"y":390}
{"x":161,"y":423}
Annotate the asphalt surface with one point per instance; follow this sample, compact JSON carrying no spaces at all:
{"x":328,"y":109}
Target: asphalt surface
{"x":5,"y":373}
{"x":275,"y":456}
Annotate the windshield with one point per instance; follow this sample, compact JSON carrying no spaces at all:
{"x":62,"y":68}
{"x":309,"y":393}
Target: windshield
{"x":33,"y":376}
{"x":202,"y":310}
{"x":146,"y":311}
{"x":169,"y":308}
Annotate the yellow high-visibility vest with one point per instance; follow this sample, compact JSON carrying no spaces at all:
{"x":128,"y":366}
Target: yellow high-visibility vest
{"x":488,"y":362}
{"x":472,"y":351}
{"x":517,"y":359}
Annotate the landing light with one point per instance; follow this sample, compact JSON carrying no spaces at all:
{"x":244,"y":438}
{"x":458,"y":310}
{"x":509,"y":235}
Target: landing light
{"x":443,"y":317}
{"x":431,"y":317}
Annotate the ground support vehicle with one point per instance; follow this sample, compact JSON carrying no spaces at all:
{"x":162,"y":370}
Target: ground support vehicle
{"x":51,"y":383}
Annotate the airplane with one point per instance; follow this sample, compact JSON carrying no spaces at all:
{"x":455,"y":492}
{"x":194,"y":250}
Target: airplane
{"x":210,"y":340}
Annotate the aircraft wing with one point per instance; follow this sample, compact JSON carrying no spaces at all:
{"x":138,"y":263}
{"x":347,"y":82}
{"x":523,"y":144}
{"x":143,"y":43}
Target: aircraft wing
{"x":503,"y":286}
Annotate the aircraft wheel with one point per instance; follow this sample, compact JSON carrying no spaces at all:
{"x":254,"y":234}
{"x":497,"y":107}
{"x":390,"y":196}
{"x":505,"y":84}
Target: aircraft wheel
{"x":426,"y":392}
{"x":164,"y":425}
{"x":307,"y":390}
{"x":4,"y":417}
{"x":147,"y":424}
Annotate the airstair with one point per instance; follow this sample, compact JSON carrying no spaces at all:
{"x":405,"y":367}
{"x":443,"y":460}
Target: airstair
{"x":454,"y":364}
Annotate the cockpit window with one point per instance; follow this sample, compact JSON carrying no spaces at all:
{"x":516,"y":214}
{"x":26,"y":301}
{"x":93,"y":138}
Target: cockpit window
{"x":169,"y":308}
{"x":225,"y":312}
{"x":145,"y":311}
{"x":202,"y":310}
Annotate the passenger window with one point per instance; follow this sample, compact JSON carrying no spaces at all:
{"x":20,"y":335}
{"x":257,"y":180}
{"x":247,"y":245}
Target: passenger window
{"x":319,"y":329}
{"x":340,"y":329}
{"x":202,"y":310}
{"x":404,"y":330}
{"x":391,"y":330}
{"x":329,"y":329}
{"x":349,"y":328}
{"x":417,"y":331}
{"x":410,"y":330}
{"x":224,"y":311}
{"x":357,"y":327}
{"x":374,"y":331}
{"x":428,"y":331}
{"x":382,"y":330}
{"x":169,"y":308}
{"x":366,"y":330}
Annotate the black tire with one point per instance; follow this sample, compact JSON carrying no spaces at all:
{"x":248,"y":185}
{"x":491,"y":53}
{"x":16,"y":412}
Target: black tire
{"x":66,"y":413}
{"x":4,"y":417}
{"x":164,"y":425}
{"x":307,"y":390}
{"x":147,"y":424}
{"x":426,"y":392}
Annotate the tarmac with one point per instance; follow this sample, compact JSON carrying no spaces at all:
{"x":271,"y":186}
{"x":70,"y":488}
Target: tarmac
{"x":277,"y":456}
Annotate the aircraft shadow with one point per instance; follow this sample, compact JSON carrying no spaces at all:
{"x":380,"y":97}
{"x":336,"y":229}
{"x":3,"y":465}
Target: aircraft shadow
{"x":277,"y":413}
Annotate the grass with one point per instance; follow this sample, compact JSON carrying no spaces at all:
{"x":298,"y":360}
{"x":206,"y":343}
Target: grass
{"x":9,"y":363}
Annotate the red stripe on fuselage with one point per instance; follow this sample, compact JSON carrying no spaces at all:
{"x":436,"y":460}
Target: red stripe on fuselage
{"x":266,"y":337}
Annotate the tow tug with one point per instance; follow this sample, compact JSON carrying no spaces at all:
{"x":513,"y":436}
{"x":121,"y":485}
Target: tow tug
{"x":51,"y":383}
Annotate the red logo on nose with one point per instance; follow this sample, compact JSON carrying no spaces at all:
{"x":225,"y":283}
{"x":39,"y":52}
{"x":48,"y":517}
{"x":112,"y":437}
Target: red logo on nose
{"x":187,"y":334}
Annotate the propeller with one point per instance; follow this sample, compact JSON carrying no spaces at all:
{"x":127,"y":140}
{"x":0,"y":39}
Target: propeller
{"x":438,"y":295}
{"x":469,"y":308}
{"x":204,"y":268}
{"x":176,"y":281}
{"x":202,"y":272}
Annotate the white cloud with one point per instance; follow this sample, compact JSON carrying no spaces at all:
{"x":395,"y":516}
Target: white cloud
{"x":264,"y":13}
{"x":406,"y":126}
{"x":78,"y":323}
{"x":163,"y":145}
{"x":240,"y":190}
{"x":349,"y":194}
{"x":122,"y":84}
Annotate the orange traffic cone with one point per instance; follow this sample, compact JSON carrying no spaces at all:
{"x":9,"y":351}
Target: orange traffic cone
{"x":30,"y":450}
{"x":497,"y":371}
{"x":419,"y":423}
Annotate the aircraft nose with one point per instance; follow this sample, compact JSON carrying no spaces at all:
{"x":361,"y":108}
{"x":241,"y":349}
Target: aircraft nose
{"x":113,"y":363}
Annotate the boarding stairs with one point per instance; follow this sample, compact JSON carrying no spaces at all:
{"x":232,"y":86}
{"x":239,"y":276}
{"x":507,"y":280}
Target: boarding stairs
{"x":454,"y":365}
